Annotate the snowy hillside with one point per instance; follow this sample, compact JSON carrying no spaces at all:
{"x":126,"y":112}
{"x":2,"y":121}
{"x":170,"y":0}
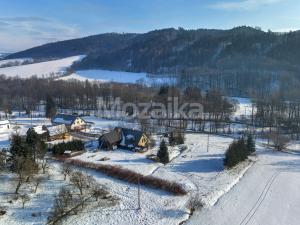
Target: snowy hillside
{"x":106,"y":76}
{"x":15,"y":62}
{"x":43,"y":69}
{"x":117,"y":76}
{"x":2,"y":55}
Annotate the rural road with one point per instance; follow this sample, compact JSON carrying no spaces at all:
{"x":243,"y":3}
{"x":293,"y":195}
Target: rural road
{"x":268,"y":194}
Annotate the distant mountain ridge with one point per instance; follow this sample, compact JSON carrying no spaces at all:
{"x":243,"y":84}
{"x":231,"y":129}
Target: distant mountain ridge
{"x":179,"y":50}
{"x":3,"y":55}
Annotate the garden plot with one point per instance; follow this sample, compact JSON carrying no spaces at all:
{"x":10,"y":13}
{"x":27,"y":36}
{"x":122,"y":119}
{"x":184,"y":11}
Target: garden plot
{"x":126,"y":159}
{"x":202,"y":171}
{"x":157,"y":207}
{"x":196,"y":169}
{"x":37,"y":209}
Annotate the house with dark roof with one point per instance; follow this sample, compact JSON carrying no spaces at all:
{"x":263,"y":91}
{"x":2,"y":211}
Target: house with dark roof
{"x":110,"y":140}
{"x":72,"y":122}
{"x":124,"y":138}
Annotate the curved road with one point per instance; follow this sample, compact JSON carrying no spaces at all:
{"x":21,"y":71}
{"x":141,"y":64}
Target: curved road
{"x":268,"y":194}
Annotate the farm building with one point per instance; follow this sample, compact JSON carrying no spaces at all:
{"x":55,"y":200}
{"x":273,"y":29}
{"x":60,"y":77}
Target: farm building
{"x":110,"y":140}
{"x":123,"y":138}
{"x":51,"y":133}
{"x":72,"y":122}
{"x":57,"y":132}
{"x":41,"y":131}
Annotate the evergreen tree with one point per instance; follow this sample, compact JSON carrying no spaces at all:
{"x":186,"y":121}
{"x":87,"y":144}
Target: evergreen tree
{"x":242,"y":150}
{"x":250,"y":144}
{"x":18,"y":148}
{"x":163,"y":153}
{"x":50,"y":107}
{"x":236,"y":153}
{"x":35,"y":144}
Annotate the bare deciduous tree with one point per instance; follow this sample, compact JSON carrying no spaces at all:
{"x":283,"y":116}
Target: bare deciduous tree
{"x":66,"y":170}
{"x":24,"y":168}
{"x":24,"y":199}
{"x":79,"y":180}
{"x":37,"y":181}
{"x":280,"y":141}
{"x":194,"y":203}
{"x":44,"y":165}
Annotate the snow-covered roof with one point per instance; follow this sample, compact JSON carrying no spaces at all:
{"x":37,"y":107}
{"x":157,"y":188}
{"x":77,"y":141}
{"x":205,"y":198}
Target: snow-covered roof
{"x":64,"y":119}
{"x":39,"y":130}
{"x":57,"y":130}
{"x":4,"y":122}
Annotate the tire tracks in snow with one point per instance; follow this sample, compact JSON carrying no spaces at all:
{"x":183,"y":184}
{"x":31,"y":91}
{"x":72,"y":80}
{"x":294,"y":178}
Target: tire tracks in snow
{"x":260,"y":200}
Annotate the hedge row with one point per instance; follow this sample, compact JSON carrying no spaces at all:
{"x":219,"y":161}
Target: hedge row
{"x":131,"y":176}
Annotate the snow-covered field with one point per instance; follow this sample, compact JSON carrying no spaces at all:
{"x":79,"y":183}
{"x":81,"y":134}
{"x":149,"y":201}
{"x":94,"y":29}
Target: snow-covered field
{"x":106,"y":76}
{"x":268,"y":194}
{"x":43,"y":69}
{"x":244,"y":107}
{"x":264,"y":190}
{"x":117,"y":76}
{"x":199,"y":171}
{"x":57,"y":68}
{"x":14,"y":61}
{"x":40,"y":203}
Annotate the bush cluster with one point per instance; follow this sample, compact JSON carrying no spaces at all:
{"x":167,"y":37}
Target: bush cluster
{"x":176,"y":138}
{"x":59,"y":149}
{"x":239,"y":151}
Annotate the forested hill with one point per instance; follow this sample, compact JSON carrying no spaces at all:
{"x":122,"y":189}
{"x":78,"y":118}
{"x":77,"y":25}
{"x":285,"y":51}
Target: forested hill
{"x":102,"y":43}
{"x":173,"y":50}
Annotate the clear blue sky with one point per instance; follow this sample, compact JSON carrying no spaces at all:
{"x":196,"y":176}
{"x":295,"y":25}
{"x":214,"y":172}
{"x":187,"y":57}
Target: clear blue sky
{"x":27,"y":23}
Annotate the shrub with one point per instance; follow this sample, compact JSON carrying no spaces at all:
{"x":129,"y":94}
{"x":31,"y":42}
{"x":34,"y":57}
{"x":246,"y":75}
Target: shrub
{"x":236,"y":153}
{"x":3,"y":210}
{"x":194,"y":203}
{"x":59,"y":149}
{"x":280,"y":141}
{"x":163,"y":153}
{"x":250,"y":144}
{"x":176,"y":138}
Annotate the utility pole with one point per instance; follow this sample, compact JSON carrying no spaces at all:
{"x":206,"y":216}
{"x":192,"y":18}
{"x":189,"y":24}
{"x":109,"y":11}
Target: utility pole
{"x":139,"y":194}
{"x":207,"y":146}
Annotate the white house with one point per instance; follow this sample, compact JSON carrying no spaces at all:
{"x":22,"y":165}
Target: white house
{"x":4,"y":126}
{"x":72,"y":122}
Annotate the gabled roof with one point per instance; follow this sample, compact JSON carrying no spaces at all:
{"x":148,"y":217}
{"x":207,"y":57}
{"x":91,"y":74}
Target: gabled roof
{"x":39,"y":129}
{"x":111,"y":137}
{"x":131,"y":137}
{"x":67,"y":119}
{"x":57,"y":130}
